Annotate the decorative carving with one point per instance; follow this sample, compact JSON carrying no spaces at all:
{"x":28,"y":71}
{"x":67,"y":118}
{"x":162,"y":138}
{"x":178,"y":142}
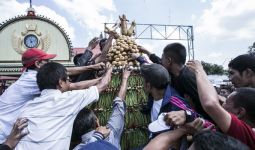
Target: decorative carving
{"x":18,"y":41}
{"x":45,"y":41}
{"x":32,"y":28}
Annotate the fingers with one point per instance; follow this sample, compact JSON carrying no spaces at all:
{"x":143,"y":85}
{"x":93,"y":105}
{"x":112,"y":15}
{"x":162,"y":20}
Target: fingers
{"x":209,"y":128}
{"x":22,"y":123}
{"x":135,"y":55}
{"x":170,"y":119}
{"x":175,"y":118}
{"x":126,"y":71}
{"x":95,"y":39}
{"x":198,"y":123}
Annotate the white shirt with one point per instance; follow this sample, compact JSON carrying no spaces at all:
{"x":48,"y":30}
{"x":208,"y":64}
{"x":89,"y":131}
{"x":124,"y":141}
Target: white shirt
{"x":14,"y":98}
{"x":51,"y":116}
{"x":155,"y":109}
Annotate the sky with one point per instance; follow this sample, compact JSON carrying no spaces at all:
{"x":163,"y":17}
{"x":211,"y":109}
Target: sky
{"x":223,"y":29}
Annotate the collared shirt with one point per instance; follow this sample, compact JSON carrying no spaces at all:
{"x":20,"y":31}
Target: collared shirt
{"x":51,"y":116}
{"x":155,"y":109}
{"x":14,"y":98}
{"x":115,"y":124}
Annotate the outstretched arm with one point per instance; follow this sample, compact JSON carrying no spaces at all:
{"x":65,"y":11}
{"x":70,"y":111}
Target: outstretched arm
{"x":116,"y":121}
{"x":165,"y":140}
{"x":154,"y":58}
{"x":84,"y":84}
{"x":81,"y":69}
{"x":209,"y":97}
{"x":168,"y":139}
{"x":105,"y":50}
{"x":123,"y":87}
{"x":102,"y":85}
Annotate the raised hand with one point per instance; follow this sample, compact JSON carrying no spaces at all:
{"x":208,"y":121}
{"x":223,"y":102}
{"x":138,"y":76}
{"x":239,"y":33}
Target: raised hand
{"x":126,"y":72}
{"x":98,"y":66}
{"x":93,"y":43}
{"x":175,"y":118}
{"x":194,"y":126}
{"x":103,"y":130}
{"x":17,"y":132}
{"x":195,"y":66}
{"x":135,"y":55}
{"x":143,"y":50}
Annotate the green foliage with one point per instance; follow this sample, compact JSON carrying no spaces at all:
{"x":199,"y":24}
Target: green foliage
{"x":213,"y":68}
{"x":252,"y":49}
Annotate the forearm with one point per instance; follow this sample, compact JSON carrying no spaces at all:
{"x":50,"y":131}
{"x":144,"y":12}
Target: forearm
{"x":210,"y":102}
{"x":165,"y":140}
{"x":207,"y":94}
{"x":105,"y":50}
{"x":123,"y":89}
{"x":155,"y":59}
{"x":78,"y":70}
{"x":84,"y":84}
{"x":102,"y":85}
{"x":116,"y":120}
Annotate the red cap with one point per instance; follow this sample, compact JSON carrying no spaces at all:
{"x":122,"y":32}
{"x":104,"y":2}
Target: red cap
{"x":30,"y":56}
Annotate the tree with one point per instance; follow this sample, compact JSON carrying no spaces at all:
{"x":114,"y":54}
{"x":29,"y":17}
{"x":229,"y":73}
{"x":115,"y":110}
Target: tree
{"x":212,"y":68}
{"x":252,"y":49}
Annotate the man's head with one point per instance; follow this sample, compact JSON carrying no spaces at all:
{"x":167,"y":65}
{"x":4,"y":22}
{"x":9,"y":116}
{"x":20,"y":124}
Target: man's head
{"x":242,"y":104}
{"x":155,"y":76}
{"x":35,"y":58}
{"x":242,"y":71}
{"x":174,"y":53}
{"x":53,"y":76}
{"x":211,"y":140}
{"x":85,"y":122}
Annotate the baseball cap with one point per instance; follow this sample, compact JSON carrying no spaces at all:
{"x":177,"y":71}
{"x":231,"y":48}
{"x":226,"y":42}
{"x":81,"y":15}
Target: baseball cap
{"x":100,"y":144}
{"x":30,"y":56}
{"x":159,"y":124}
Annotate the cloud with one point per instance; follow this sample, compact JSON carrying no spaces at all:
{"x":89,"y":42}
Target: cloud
{"x":193,"y":17}
{"x":215,"y":54}
{"x":89,"y":14}
{"x":7,"y":11}
{"x":231,"y":19}
{"x":203,"y":1}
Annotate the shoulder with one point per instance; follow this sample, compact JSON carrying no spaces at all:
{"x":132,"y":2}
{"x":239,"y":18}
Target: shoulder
{"x":240,"y":130}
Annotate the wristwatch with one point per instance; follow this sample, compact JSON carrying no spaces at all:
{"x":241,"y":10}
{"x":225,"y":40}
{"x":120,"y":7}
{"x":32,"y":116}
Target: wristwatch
{"x":189,"y":116}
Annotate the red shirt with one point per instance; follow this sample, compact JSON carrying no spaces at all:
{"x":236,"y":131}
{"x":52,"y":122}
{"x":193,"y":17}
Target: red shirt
{"x":242,"y":131}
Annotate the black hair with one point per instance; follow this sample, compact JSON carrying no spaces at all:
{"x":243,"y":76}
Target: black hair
{"x":211,"y":140}
{"x":244,"y":97}
{"x":243,"y":62}
{"x":32,"y":67}
{"x":75,"y":59}
{"x":156,"y":75}
{"x":49,"y":75}
{"x":177,"y":52}
{"x":84,"y":123}
{"x":102,"y":43}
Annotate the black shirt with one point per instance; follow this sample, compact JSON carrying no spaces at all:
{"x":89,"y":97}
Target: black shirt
{"x":186,"y":84}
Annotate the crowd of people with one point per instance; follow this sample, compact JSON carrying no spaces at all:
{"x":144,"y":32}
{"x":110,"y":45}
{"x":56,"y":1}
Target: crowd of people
{"x":47,"y":104}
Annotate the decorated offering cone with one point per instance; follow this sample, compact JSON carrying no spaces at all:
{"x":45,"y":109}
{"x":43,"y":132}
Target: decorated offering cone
{"x":135,"y":132}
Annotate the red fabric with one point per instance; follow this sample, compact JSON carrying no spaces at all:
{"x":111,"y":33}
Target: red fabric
{"x":30,"y":56}
{"x":242,"y":131}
